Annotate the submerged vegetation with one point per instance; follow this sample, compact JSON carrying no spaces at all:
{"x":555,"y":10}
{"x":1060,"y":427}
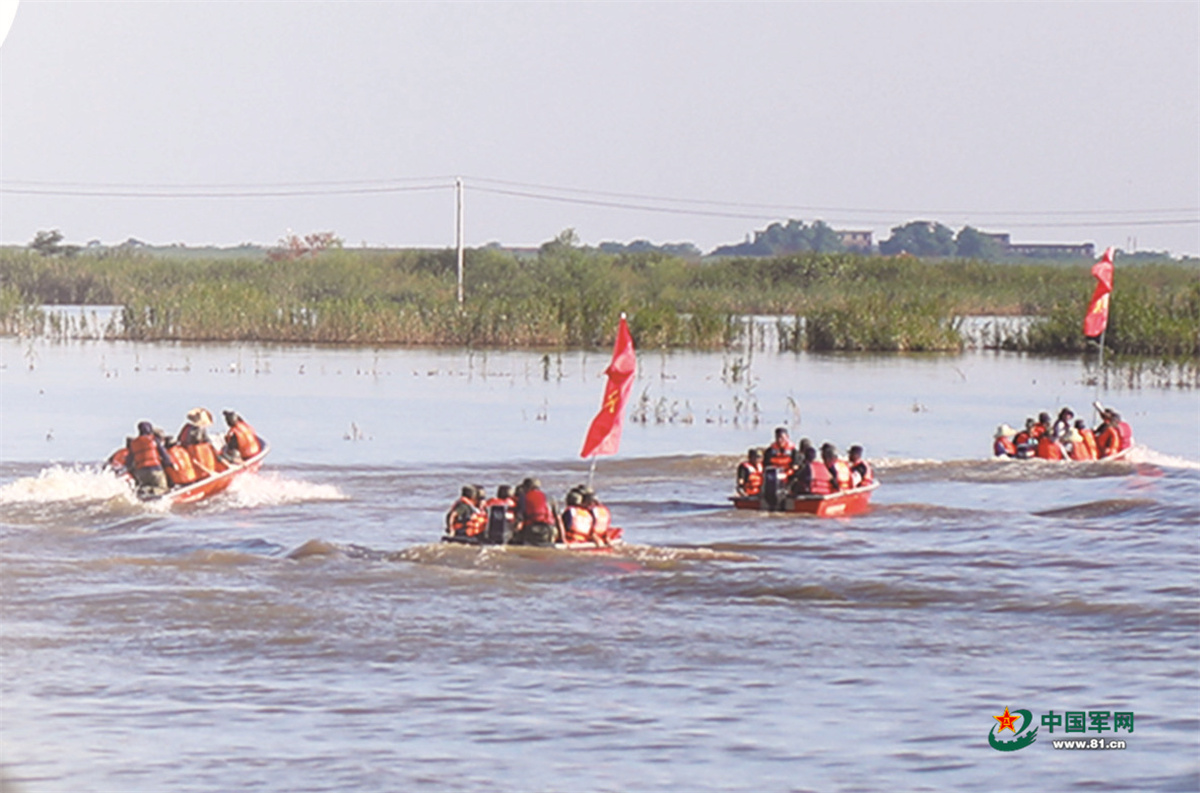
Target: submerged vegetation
{"x":566,"y":296}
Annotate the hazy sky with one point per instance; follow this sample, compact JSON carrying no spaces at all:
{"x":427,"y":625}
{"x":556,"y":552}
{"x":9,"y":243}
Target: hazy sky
{"x":224,"y":122}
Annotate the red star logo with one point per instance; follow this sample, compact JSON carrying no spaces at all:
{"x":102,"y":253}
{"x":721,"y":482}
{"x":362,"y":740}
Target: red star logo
{"x":1006,"y":722}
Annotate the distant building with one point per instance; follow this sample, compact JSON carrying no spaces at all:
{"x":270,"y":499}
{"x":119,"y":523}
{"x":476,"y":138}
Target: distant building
{"x":857,"y":240}
{"x":1085,"y":250}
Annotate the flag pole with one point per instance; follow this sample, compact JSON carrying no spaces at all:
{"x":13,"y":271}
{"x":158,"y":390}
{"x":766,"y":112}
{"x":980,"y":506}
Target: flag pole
{"x":1099,"y":374}
{"x":591,"y":472}
{"x":1097,"y":310}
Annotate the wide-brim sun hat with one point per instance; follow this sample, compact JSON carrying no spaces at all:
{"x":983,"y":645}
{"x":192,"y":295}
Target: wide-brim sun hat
{"x":199,"y":417}
{"x":1005,"y":431}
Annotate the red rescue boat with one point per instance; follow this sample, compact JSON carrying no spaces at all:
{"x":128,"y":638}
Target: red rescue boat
{"x":834,"y":505}
{"x":612,"y":539}
{"x":210,"y":485}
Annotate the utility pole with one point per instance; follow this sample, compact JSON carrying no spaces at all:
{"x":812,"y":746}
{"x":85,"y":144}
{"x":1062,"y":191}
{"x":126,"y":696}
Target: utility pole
{"x":458,"y":234}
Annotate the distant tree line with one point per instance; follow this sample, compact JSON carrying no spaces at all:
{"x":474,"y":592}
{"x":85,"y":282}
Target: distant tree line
{"x":791,"y":237}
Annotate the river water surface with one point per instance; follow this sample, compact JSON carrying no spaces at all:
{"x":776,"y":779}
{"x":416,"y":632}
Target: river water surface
{"x":307,"y":632}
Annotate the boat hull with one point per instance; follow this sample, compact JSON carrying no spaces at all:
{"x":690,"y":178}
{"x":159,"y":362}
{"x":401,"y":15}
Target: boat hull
{"x":614,"y":540}
{"x":834,"y":505}
{"x":1114,"y":458}
{"x":212,"y":485}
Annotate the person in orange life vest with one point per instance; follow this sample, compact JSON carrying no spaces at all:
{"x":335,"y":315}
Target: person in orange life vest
{"x":601,"y":517}
{"x":1005,"y":443}
{"x":812,"y":476}
{"x":504,"y":505}
{"x":1074,"y":446}
{"x":750,"y":475}
{"x":147,"y":456}
{"x":1042,"y":426}
{"x":837,"y":467}
{"x":781,"y":453}
{"x":1108,"y":442}
{"x":465,"y":519}
{"x":1025,"y":441}
{"x":503,"y":498}
{"x":193,"y":437}
{"x":1124,"y":431}
{"x":861,"y":474}
{"x":1089,"y":438}
{"x":577,"y":522}
{"x":536,"y":522}
{"x":1048,"y":447}
{"x":182,"y":472}
{"x":241,"y":442}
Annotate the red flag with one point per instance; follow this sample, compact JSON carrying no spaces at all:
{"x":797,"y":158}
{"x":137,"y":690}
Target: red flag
{"x":1097,"y":313}
{"x":604,"y":436}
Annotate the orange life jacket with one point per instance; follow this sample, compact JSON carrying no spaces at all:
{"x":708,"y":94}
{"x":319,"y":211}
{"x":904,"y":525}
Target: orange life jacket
{"x":1107,"y":442}
{"x":578,"y":523}
{"x":1047,"y":449}
{"x":1037,"y":431}
{"x":204,"y":458}
{"x":1124,"y":435}
{"x":822,"y":479}
{"x":750,"y":477}
{"x":183,"y":473}
{"x":601,"y":519}
{"x":509,"y":505}
{"x":1080,"y":451}
{"x":243,"y":435}
{"x":841,"y":474}
{"x":780,"y":456}
{"x":477,"y":522}
{"x":1089,"y":442}
{"x":1003,"y":447}
{"x":145,"y":452}
{"x":467,"y":522}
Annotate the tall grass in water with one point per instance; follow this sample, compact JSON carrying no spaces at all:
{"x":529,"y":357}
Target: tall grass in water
{"x":570,"y":297}
{"x":878,"y":323}
{"x":1139,"y":323}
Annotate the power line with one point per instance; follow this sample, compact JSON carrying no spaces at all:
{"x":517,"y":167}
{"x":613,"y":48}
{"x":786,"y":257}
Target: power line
{"x":227,"y":185}
{"x":760,"y":216}
{"x":579,"y":196}
{"x":852,"y":210}
{"x":87,"y":193}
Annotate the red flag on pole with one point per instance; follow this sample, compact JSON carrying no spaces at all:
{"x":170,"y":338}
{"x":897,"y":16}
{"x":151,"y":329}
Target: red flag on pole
{"x":604,"y":435}
{"x":1097,"y":313}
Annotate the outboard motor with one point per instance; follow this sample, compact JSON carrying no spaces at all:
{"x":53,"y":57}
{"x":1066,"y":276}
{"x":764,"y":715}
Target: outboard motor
{"x":772,"y":489}
{"x":499,"y":527}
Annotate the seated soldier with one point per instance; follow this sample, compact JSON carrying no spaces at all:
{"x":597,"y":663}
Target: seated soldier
{"x":750,"y":475}
{"x":601,"y":518}
{"x":812,"y":476}
{"x":577,"y":521}
{"x":241,"y":442}
{"x":536,"y":522}
{"x":465,"y":521}
{"x":837,"y":467}
{"x":861,"y":474}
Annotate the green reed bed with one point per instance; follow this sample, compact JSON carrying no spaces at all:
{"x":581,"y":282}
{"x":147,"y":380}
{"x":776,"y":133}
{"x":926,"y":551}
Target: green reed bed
{"x":567,"y":296}
{"x":1140,"y":322}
